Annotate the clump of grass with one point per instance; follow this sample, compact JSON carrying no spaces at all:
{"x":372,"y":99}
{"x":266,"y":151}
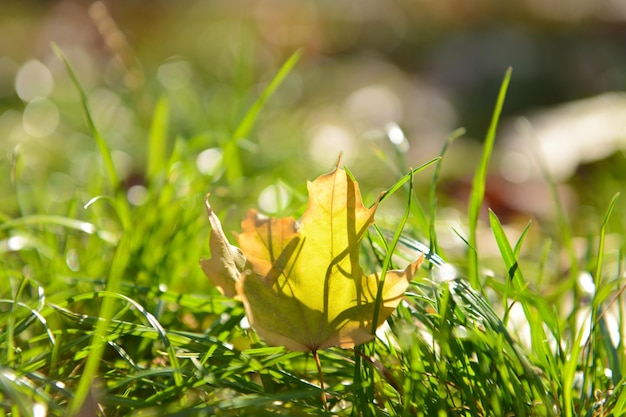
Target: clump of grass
{"x":104,"y":311}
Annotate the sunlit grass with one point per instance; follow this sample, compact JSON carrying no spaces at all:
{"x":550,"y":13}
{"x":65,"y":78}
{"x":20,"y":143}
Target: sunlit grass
{"x":104,"y":309}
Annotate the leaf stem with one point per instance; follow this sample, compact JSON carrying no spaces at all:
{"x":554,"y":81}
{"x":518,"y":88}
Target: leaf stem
{"x":319,"y":372}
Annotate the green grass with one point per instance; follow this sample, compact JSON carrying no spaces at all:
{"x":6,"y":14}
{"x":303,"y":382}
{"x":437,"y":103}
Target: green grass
{"x":104,"y":309}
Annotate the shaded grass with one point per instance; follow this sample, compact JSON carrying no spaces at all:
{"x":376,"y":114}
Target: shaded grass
{"x":104,"y":310}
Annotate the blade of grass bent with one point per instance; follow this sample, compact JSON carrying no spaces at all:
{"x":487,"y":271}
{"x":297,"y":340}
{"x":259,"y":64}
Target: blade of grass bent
{"x":478,"y":184}
{"x":406,"y":178}
{"x":9,"y":353}
{"x":11,"y":329}
{"x":156,"y":325}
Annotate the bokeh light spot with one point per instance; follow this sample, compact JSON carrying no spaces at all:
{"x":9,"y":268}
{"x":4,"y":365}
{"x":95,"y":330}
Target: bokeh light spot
{"x":33,"y":79}
{"x":40,"y":117}
{"x":137,"y":195}
{"x":209,"y":161}
{"x":274,"y":198}
{"x":16,"y":243}
{"x":329,"y":141}
{"x":40,"y":410}
{"x":374,"y":106}
{"x":175,"y":74}
{"x":397,"y":137}
{"x":514,"y":167}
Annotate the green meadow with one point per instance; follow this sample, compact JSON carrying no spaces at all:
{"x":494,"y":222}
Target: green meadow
{"x":105,"y":161}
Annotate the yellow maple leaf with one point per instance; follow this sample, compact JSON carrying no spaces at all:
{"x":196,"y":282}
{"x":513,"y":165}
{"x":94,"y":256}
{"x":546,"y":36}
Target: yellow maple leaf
{"x":303,"y":287}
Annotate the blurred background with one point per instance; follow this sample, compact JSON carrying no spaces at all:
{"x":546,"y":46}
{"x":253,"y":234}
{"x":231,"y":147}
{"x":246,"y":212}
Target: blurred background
{"x":384,"y":82}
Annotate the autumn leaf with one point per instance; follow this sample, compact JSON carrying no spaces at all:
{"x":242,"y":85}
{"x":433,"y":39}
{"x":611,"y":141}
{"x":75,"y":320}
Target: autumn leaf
{"x":306,"y":290}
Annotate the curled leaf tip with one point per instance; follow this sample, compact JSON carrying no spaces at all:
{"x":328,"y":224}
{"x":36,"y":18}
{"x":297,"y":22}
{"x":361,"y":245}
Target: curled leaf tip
{"x":226,"y":264}
{"x":339,"y":160}
{"x":207,"y":206}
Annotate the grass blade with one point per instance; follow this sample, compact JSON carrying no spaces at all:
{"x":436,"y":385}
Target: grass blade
{"x":509,"y":256}
{"x":595,"y":338}
{"x":406,"y":178}
{"x":105,"y":152}
{"x":230,"y":155}
{"x":249,"y":119}
{"x":387,"y":261}
{"x":103,"y":148}
{"x":157,"y":144}
{"x":605,"y":221}
{"x":478,"y":184}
